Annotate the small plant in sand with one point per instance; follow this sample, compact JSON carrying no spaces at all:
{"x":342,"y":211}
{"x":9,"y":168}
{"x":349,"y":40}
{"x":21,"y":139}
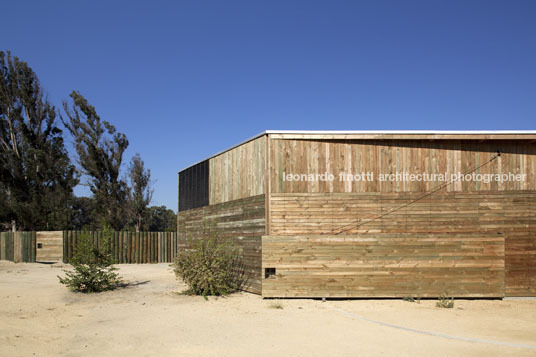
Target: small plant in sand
{"x":411,"y":299}
{"x":445,"y":302}
{"x":210,"y":266}
{"x":276,"y":305}
{"x":93,"y":267}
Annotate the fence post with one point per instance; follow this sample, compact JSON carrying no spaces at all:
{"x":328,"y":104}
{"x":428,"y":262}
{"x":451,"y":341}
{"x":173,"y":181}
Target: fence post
{"x":3,"y":246}
{"x":17,"y":247}
{"x":34,"y":246}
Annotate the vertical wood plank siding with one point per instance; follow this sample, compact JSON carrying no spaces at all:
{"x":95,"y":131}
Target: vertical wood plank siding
{"x":17,"y":247}
{"x":128,"y":247}
{"x":391,"y":156}
{"x":238,"y":173}
{"x":243,"y":220}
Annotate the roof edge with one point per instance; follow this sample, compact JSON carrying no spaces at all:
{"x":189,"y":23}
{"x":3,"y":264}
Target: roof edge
{"x":429,"y":132}
{"x":371,"y":132}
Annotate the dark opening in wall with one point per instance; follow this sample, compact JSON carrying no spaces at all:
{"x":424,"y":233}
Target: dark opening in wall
{"x":269,"y":273}
{"x":193,"y":186}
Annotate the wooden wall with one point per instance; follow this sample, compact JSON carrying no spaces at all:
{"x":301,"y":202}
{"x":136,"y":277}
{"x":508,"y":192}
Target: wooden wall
{"x":384,"y":265}
{"x":305,"y":209}
{"x":242,"y":219}
{"x":308,"y":156}
{"x":49,"y":246}
{"x":238,"y":173}
{"x":128,"y":247}
{"x":17,"y":246}
{"x":508,"y":214}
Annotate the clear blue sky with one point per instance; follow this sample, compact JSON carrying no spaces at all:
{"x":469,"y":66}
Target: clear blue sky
{"x":186,"y":79}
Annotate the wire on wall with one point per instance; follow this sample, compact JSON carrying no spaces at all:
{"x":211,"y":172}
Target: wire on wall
{"x":347,"y":228}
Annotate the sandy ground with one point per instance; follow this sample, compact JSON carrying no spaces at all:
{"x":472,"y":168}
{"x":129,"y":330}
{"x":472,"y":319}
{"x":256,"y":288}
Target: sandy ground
{"x":40,"y":317}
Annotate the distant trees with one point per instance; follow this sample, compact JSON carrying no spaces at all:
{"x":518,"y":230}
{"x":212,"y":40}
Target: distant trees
{"x":36,"y":175}
{"x":162,"y":219}
{"x":100,"y":149}
{"x":82,"y":210}
{"x":140,"y":193}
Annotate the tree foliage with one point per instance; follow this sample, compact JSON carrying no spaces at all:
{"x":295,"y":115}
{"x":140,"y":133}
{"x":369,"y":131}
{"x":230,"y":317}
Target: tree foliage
{"x":100,"y":149}
{"x":161,"y":219}
{"x":93,"y":266}
{"x":36,"y":175}
{"x":82,"y":215}
{"x":140,"y":193}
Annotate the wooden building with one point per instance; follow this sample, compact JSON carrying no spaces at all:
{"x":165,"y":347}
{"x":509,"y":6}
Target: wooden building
{"x":373,"y":214}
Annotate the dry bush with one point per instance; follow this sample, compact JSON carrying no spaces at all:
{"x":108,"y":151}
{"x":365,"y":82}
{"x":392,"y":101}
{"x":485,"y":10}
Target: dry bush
{"x":210,"y":266}
{"x":445,"y":302}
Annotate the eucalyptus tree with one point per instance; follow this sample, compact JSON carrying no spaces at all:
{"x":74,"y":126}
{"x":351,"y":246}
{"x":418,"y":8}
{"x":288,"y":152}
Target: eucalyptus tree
{"x":36,"y":175}
{"x":140,"y":193}
{"x":99,"y":147}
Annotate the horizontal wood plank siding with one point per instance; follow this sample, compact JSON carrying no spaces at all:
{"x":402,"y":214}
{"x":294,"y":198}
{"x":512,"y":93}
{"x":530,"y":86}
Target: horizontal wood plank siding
{"x":243,"y":220}
{"x":510,"y":214}
{"x":384,"y":265}
{"x":50,"y":246}
{"x":238,"y":173}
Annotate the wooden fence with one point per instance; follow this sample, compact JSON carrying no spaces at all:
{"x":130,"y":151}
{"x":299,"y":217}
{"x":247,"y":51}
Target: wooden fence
{"x":17,"y":246}
{"x":128,"y":247}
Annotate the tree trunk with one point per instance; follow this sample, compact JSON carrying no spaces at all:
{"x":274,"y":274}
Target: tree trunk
{"x":13,"y":225}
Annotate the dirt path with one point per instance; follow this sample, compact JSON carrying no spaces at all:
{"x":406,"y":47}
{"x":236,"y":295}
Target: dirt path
{"x":41,"y":317}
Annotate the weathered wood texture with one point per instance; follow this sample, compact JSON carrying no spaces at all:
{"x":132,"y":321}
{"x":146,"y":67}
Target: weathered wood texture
{"x":49,"y":246}
{"x":17,"y":247}
{"x":392,"y":156}
{"x":243,"y":220}
{"x":511,"y":214}
{"x":128,"y":247}
{"x":384,"y":265}
{"x":238,"y":173}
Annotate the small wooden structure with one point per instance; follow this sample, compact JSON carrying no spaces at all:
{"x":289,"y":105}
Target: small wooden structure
{"x":306,"y":235}
{"x":49,"y":246}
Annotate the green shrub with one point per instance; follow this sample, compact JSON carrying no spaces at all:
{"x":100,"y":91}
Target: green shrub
{"x":210,"y":266}
{"x":445,"y":302}
{"x":93,"y":267}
